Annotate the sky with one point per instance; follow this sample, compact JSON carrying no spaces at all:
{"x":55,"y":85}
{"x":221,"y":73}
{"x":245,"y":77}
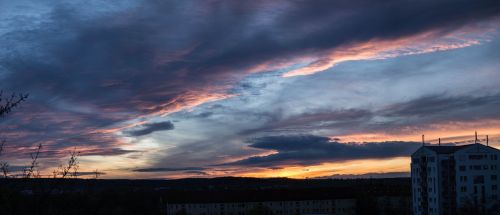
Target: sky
{"x":300,"y":89}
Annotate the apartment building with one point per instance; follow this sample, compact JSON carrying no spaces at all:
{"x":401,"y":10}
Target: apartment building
{"x":303,"y":207}
{"x":445,"y":179}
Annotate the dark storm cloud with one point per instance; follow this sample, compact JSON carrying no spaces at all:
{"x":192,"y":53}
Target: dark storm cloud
{"x":135,"y":58}
{"x":201,"y":173}
{"x":195,"y":169}
{"x":151,"y":127}
{"x":310,"y":149}
{"x":111,"y":67}
{"x":90,"y":173}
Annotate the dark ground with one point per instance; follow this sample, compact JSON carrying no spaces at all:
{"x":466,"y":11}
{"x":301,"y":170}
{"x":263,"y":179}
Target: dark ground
{"x":86,"y":196}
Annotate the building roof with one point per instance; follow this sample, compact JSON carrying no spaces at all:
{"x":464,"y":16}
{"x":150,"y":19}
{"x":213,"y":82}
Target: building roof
{"x":446,"y":149}
{"x":451,"y":149}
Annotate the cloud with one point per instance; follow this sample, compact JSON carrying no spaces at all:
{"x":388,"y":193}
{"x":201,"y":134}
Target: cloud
{"x":200,"y":173}
{"x":169,"y":169}
{"x":93,"y":69}
{"x":129,"y":64}
{"x":313,"y":119}
{"x":310,"y":149}
{"x":99,"y":173}
{"x":149,"y":128}
{"x":421,"y":111}
{"x":465,"y":107}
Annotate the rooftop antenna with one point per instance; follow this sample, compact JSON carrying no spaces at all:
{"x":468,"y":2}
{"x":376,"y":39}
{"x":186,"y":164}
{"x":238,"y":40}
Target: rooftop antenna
{"x":487,"y":140}
{"x":423,"y":140}
{"x":439,"y":141}
{"x":475,"y":141}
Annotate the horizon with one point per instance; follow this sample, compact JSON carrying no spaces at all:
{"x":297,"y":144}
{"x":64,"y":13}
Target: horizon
{"x":281,"y":89}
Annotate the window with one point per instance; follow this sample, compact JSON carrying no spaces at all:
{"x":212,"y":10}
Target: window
{"x":477,"y":167}
{"x":493,"y":167}
{"x":476,"y":157}
{"x":494,"y":187}
{"x":462,"y":168}
{"x":493,"y":157}
{"x":478,"y":179}
{"x":493,"y":177}
{"x":485,"y":166}
{"x":463,"y":189}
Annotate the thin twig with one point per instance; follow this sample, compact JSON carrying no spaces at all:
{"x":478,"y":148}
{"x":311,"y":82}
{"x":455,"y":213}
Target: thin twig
{"x":30,"y":172}
{"x":72,"y":165}
{"x":11,"y":102}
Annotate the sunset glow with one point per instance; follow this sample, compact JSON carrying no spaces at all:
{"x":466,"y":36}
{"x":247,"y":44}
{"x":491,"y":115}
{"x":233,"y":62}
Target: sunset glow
{"x":299,"y":89}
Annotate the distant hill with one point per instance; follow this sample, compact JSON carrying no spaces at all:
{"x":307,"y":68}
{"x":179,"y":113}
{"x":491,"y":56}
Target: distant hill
{"x":368,"y":175}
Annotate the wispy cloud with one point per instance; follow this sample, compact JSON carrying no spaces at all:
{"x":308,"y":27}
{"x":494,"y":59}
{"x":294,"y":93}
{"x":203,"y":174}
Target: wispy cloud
{"x":149,"y":128}
{"x":167,"y":169}
{"x":98,"y":71}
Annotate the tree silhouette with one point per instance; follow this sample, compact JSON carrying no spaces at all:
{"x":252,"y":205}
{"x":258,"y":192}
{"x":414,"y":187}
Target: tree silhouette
{"x":4,"y":166}
{"x":9,"y":103}
{"x":32,"y":171}
{"x":71,"y":168}
{"x":6,"y":106}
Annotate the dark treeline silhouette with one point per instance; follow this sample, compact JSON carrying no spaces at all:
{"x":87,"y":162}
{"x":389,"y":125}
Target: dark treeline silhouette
{"x":56,"y":201}
{"x":90,"y":196}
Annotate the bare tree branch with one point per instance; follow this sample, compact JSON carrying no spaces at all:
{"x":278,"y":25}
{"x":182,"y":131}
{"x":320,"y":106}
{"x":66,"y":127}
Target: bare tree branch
{"x":32,"y":171}
{"x":10,"y":102}
{"x":97,"y":174}
{"x":55,"y":173}
{"x":72,"y":165}
{"x":6,"y":105}
{"x":4,"y":166}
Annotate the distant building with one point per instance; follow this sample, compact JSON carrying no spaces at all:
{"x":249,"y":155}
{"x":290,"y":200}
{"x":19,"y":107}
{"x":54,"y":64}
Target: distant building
{"x":389,"y":205}
{"x":446,"y":179}
{"x":302,"y":207}
{"x":281,"y":196}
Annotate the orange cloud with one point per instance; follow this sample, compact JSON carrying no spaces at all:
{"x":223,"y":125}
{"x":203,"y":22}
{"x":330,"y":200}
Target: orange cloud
{"x":448,"y":132}
{"x":184,"y":101}
{"x":377,"y":49}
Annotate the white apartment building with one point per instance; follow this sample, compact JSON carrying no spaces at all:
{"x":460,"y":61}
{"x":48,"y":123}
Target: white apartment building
{"x":447,"y":178}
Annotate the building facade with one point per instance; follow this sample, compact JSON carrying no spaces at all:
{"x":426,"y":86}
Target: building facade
{"x":334,"y":207}
{"x":445,"y":179}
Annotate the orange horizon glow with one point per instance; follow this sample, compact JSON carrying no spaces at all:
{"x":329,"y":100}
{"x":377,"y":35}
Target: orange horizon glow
{"x":120,"y":167}
{"x":451,"y":132}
